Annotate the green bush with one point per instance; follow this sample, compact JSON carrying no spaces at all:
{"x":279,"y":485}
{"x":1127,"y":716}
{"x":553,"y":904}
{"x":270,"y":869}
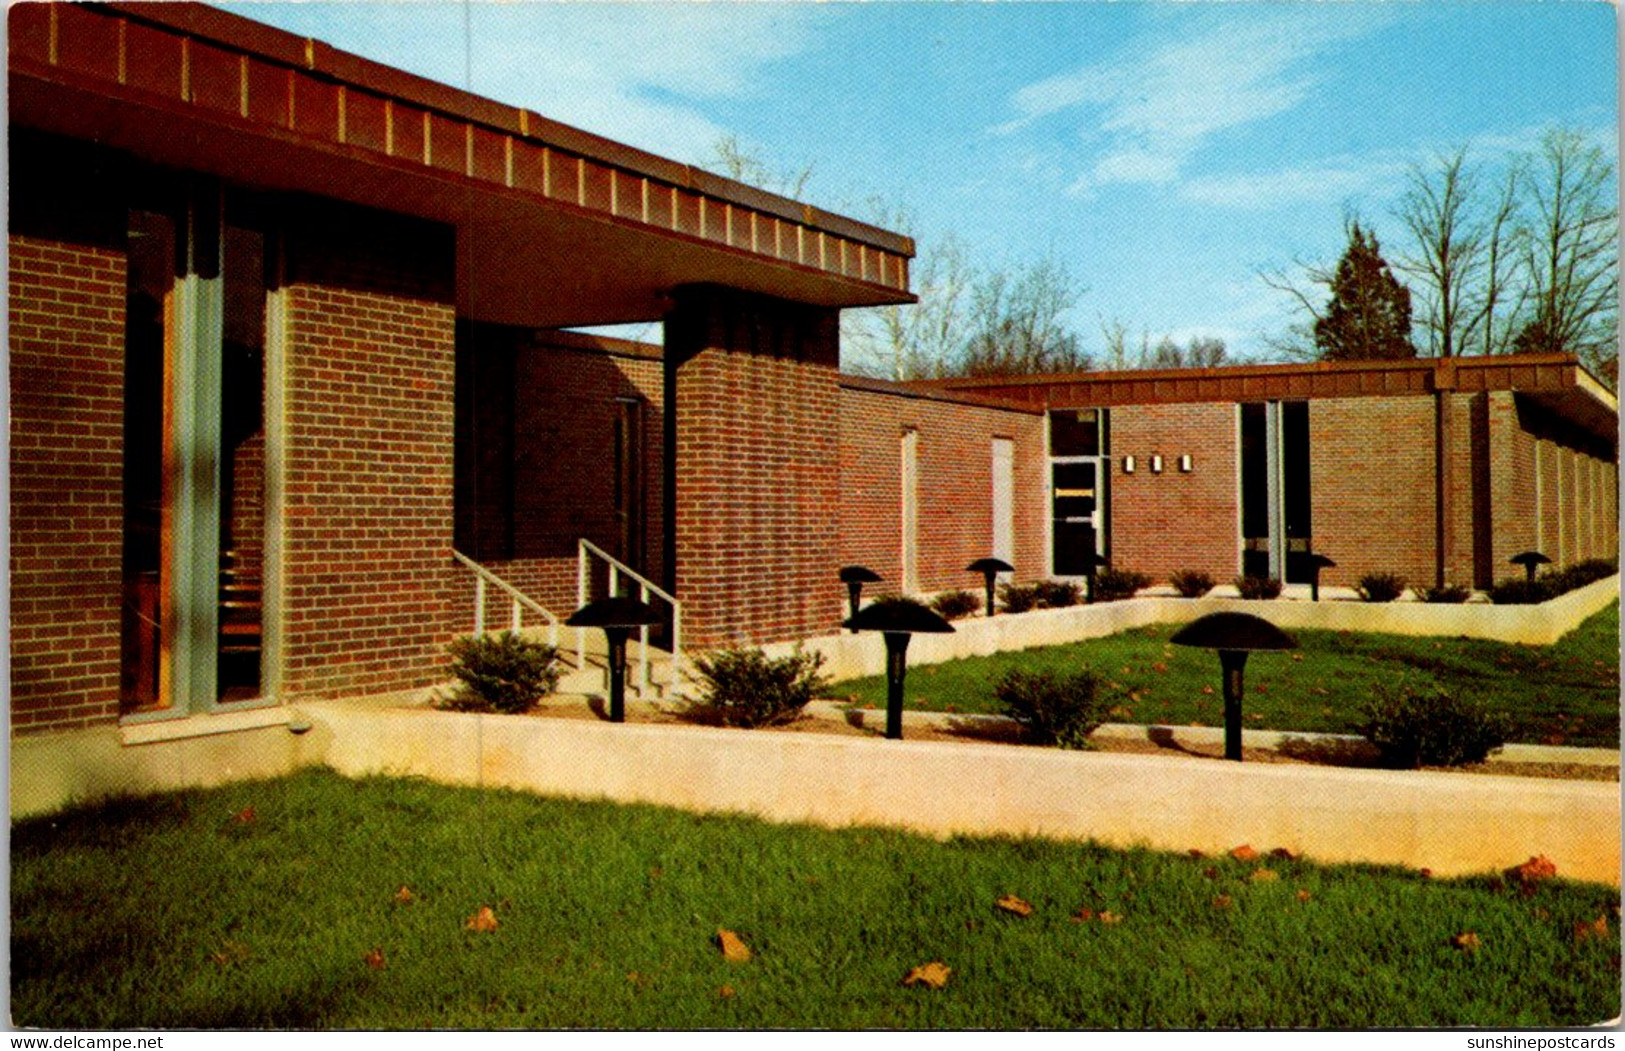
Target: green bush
{"x":1453,"y":594}
{"x":1112,"y":584}
{"x":952,"y":605}
{"x":1582,"y":573}
{"x":1258,"y":587}
{"x":1052,"y":708}
{"x":1192,"y":583}
{"x":1520,"y":591}
{"x":1381,"y":587}
{"x":1425,"y":726}
{"x":746,"y":688}
{"x":500,"y":673}
{"x":1057,"y":594}
{"x":1018,"y":598}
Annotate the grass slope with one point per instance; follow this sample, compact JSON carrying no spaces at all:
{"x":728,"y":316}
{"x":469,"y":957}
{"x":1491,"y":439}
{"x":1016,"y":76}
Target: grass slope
{"x":1567,"y":693}
{"x":188,"y":910}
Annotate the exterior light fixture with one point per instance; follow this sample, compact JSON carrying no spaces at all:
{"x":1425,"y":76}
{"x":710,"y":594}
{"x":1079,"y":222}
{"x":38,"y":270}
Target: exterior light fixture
{"x":1185,"y":464}
{"x":617,"y":615}
{"x":1234,"y":635}
{"x":1128,"y":465}
{"x":1156,"y":464}
{"x":1529,"y":560}
{"x":854,"y":577}
{"x":897,"y":619}
{"x":990,"y":568}
{"x":1316,"y":563}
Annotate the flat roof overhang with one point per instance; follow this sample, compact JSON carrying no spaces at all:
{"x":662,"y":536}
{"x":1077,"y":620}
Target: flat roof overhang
{"x":555,"y":227}
{"x":1556,"y":382}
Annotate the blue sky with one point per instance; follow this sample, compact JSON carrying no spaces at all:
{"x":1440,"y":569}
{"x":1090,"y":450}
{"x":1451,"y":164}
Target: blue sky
{"x":1164,"y":152}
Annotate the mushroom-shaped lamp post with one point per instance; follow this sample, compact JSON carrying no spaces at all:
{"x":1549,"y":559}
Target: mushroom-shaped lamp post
{"x":1234,"y":635}
{"x":990,"y":568}
{"x":617,"y":615}
{"x":854,"y":577}
{"x":898,"y":620}
{"x":1529,"y":560}
{"x":1316,"y":563}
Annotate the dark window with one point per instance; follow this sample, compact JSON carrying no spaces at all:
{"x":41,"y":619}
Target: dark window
{"x":484,"y":458}
{"x":1076,"y":432}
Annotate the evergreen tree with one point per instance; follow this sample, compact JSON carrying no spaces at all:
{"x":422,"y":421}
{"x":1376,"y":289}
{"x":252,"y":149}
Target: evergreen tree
{"x":1369,"y":315}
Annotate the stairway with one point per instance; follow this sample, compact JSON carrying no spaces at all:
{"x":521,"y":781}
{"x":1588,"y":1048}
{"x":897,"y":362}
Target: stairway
{"x":241,"y":617}
{"x":592,"y":676}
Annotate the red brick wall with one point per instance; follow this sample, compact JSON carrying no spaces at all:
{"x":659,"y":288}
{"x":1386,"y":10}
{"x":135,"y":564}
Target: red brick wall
{"x":1372,"y":471}
{"x":751,"y":384}
{"x":66,"y":320}
{"x":1463,"y":496}
{"x":954,"y":457}
{"x":367,"y":512}
{"x":1163,"y":523}
{"x":564,"y":470}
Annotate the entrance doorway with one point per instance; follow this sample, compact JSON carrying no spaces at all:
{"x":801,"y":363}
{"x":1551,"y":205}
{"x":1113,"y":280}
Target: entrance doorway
{"x":1078,"y":445}
{"x":1276,"y":529}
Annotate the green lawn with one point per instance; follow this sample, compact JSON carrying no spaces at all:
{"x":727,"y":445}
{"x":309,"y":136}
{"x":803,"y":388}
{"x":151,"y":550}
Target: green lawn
{"x":1567,"y":693}
{"x":189,"y":910}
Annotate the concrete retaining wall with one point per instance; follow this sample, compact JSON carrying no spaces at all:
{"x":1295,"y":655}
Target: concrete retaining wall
{"x":851,"y":656}
{"x":1449,"y":823}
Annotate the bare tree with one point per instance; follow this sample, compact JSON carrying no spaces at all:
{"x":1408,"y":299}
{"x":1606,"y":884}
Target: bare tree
{"x":1449,"y":254}
{"x":1502,"y":299}
{"x":1571,"y":255}
{"x":740,"y":163}
{"x":1016,"y":322}
{"x":918,"y":340}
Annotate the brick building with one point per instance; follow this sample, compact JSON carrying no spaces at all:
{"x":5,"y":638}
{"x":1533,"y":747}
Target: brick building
{"x":287,"y":329}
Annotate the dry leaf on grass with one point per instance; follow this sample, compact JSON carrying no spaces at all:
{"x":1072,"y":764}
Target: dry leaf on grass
{"x":1466,"y":941}
{"x":374,"y":958}
{"x":1013,"y":905}
{"x":404,"y":896}
{"x":1223,"y":901}
{"x":1110,"y":919}
{"x":725,"y":992}
{"x":733,"y":949}
{"x":1083,"y":915}
{"x":933,"y":975}
{"x":1244,"y":853}
{"x":1264,"y":876}
{"x":484,"y":920}
{"x":1304,"y":895}
{"x":1597,"y":928}
{"x":245,"y":816}
{"x":1533,"y":871}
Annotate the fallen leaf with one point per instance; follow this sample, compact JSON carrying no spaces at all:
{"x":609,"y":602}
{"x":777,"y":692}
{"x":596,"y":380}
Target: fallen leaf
{"x":1264,"y":876}
{"x":1159,"y":666}
{"x":1014,"y":905}
{"x":733,"y":949}
{"x":1284,"y":854}
{"x":1193,"y":852}
{"x":1304,"y":895}
{"x":933,"y":975}
{"x":726,"y":992}
{"x":1083,"y":915}
{"x":1207,"y":689}
{"x":404,"y":896}
{"x":1244,"y":853}
{"x":230,"y":952}
{"x":1211,"y":872}
{"x":1110,"y":919}
{"x":1597,"y":928}
{"x":1297,"y":656}
{"x":1533,"y":871}
{"x":374,"y":958}
{"x":1223,"y":901}
{"x":484,"y":920}
{"x":245,"y":816}
{"x":1466,"y":941}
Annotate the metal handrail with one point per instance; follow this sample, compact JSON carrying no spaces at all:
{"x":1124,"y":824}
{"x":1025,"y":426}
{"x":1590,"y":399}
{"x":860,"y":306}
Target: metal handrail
{"x":521,"y":601}
{"x":585,"y":551}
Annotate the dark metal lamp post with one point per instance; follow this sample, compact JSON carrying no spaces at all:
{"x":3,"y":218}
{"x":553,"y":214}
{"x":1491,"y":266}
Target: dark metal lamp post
{"x":1529,"y":560}
{"x":1316,"y":563}
{"x":1234,"y":635}
{"x":1091,"y":561}
{"x":854,"y":577}
{"x":617,"y":615}
{"x":898,"y":620}
{"x":990,"y":568}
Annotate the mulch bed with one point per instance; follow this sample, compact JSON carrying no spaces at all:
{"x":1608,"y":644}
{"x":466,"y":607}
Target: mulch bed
{"x":1312,"y":753}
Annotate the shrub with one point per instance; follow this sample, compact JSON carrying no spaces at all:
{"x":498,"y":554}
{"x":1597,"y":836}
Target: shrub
{"x":953,"y":605}
{"x":1191,"y":583}
{"x":1112,"y":584}
{"x":1058,"y":593}
{"x":1019,"y":598}
{"x":1519,"y":591}
{"x":1381,"y":587}
{"x":1425,"y":726}
{"x":1052,"y":708}
{"x":1448,"y":593}
{"x":747,"y":688}
{"x":1258,"y":587}
{"x":1582,"y":573}
{"x":500,"y":673}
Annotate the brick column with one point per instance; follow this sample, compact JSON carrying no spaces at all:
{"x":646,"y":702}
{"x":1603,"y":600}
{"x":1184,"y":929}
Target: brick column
{"x":752,"y":396}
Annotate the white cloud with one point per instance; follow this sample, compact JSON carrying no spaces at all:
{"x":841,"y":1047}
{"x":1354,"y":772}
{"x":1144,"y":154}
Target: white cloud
{"x":1152,"y":108}
{"x":1327,"y":181}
